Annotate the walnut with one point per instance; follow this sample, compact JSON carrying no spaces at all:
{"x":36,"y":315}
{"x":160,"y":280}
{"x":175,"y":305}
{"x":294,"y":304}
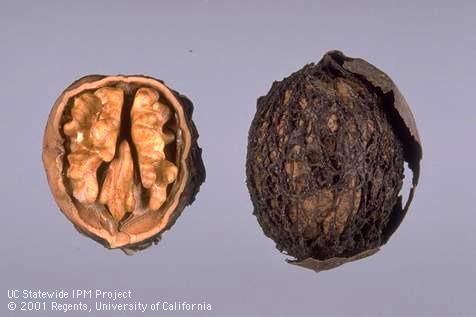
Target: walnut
{"x":122,"y":159}
{"x":325,"y":163}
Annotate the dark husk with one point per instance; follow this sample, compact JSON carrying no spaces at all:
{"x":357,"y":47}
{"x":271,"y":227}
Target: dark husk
{"x":403,"y":123}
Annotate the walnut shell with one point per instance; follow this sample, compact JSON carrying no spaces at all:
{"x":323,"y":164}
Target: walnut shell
{"x":122,"y":159}
{"x":325,"y":163}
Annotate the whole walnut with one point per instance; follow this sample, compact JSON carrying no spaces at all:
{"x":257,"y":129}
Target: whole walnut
{"x":122,"y":158}
{"x":325,"y":162}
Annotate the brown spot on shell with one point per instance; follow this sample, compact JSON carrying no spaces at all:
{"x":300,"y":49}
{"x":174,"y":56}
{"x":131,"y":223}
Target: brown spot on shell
{"x":303,"y":103}
{"x":332,"y":123}
{"x":322,"y":201}
{"x":287,"y":96}
{"x":344,"y":91}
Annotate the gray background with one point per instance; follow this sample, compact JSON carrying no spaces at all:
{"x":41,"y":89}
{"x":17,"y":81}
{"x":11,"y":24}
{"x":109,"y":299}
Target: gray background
{"x":216,"y":252}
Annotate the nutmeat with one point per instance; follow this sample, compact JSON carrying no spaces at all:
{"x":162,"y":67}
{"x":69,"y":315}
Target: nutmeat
{"x":148,"y":119}
{"x":122,"y":158}
{"x":325,"y":162}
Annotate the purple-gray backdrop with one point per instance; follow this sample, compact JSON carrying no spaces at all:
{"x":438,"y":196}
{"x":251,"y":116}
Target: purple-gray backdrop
{"x":223,"y":55}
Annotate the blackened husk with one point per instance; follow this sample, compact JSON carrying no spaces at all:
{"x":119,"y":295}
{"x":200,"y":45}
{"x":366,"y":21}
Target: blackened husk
{"x":325,"y":164}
